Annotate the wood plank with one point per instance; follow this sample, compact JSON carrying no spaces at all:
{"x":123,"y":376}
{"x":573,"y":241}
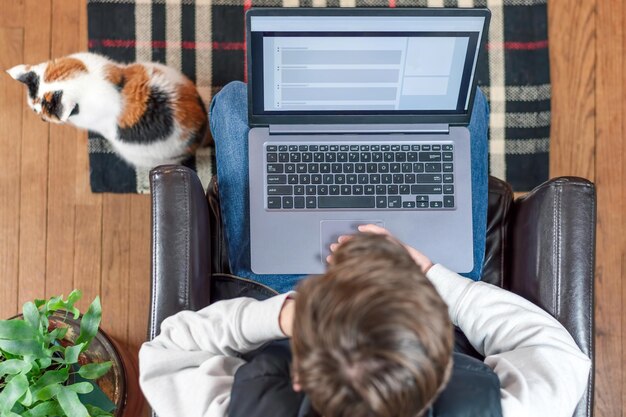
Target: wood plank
{"x":12,"y":100}
{"x":62,"y":165}
{"x":116,"y":266}
{"x":12,"y":13}
{"x":572,"y":67}
{"x":622,"y":182}
{"x":87,"y":268}
{"x":140,"y":251}
{"x":82,"y":26}
{"x":623,"y":365}
{"x":34,"y":173}
{"x":88,"y":220}
{"x":610,"y":191}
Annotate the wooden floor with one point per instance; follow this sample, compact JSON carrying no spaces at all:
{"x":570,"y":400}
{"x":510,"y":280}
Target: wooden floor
{"x":55,"y":235}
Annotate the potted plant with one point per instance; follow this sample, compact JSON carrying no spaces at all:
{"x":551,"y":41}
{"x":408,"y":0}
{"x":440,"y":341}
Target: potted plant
{"x":53,"y":362}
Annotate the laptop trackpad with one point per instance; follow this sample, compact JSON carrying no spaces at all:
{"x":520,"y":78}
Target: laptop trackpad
{"x":330,"y":230}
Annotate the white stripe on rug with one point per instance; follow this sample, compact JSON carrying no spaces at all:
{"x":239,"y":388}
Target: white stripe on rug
{"x":143,"y":52}
{"x":204,"y":56}
{"x":204,"y":165}
{"x":99,"y":145}
{"x":143,"y":30}
{"x":527,"y":146}
{"x":528,"y":120}
{"x":522,"y":92}
{"x":204,"y":75}
{"x":173,"y":16}
{"x":143,"y":180}
{"x":291,"y":3}
{"x":497,"y":151}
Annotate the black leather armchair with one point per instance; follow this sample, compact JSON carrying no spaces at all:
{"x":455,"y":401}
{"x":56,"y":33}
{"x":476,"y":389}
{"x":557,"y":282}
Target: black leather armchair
{"x":540,"y":246}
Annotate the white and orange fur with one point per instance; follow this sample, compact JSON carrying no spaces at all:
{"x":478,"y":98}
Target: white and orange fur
{"x":150,"y":113}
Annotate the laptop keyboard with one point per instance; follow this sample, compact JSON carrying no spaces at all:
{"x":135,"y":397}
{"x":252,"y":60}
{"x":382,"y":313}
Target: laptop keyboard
{"x":359,"y":176}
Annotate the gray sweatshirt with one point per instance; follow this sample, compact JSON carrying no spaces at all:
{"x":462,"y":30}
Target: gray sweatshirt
{"x":188,"y":370}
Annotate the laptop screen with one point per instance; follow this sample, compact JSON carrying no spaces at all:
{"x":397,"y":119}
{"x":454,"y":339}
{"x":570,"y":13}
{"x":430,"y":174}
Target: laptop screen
{"x":363,"y":65}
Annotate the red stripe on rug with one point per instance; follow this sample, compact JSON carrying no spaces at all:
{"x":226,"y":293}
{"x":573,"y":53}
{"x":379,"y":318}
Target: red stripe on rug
{"x":392,"y":3}
{"x":519,"y":46}
{"x":241,"y":46}
{"x":247,"y":4}
{"x":131,"y":43}
{"x":229,"y":46}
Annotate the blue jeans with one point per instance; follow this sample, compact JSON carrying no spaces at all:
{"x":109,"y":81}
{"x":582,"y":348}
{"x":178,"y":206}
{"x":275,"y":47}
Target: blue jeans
{"x":228,"y":117}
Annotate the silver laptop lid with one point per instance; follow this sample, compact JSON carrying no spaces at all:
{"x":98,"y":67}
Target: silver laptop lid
{"x":352,"y":66}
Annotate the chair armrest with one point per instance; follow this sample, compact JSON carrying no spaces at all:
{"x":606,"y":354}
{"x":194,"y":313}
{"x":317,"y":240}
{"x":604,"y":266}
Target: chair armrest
{"x":500,"y":200}
{"x":552,"y":258}
{"x":180,"y":244}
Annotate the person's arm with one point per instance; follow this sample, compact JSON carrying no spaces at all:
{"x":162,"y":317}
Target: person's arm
{"x":542,"y":371}
{"x":188,"y":369}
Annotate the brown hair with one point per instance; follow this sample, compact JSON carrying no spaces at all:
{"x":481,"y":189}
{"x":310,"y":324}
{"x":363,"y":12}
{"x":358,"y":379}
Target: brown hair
{"x":371,"y":337}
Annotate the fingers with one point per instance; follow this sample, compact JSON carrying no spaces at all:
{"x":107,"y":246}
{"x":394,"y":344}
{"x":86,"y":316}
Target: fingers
{"x":372,"y":228}
{"x":333,"y":247}
{"x":343,"y":238}
{"x":420,"y":259}
{"x":364,"y":228}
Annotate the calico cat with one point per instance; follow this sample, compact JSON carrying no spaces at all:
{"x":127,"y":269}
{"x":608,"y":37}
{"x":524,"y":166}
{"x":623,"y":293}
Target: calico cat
{"x":151,"y":114}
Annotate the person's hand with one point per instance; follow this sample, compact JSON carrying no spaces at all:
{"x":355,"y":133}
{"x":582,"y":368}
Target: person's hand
{"x":285,"y":318}
{"x":420,"y":259}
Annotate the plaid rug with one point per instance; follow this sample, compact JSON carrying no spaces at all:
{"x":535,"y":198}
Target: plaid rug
{"x":205,"y":39}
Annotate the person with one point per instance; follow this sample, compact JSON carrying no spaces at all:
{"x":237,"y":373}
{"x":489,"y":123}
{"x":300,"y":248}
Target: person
{"x":371,"y":337}
{"x":228,"y":120}
{"x":375,"y":290}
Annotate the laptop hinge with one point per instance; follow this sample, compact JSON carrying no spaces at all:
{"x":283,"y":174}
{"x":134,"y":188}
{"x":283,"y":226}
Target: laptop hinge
{"x":358,"y":129}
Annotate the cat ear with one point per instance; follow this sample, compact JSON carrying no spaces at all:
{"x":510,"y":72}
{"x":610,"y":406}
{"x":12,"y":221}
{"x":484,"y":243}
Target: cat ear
{"x":24,"y":74}
{"x":19,"y":72}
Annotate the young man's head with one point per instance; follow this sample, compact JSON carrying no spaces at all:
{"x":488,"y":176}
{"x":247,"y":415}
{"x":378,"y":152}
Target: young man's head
{"x":371,"y":337}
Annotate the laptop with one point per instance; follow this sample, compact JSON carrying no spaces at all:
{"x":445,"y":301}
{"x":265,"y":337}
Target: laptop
{"x":360,"y":116}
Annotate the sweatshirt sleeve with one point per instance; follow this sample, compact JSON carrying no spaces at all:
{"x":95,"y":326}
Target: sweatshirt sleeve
{"x":542,"y":371}
{"x":188,"y":369}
